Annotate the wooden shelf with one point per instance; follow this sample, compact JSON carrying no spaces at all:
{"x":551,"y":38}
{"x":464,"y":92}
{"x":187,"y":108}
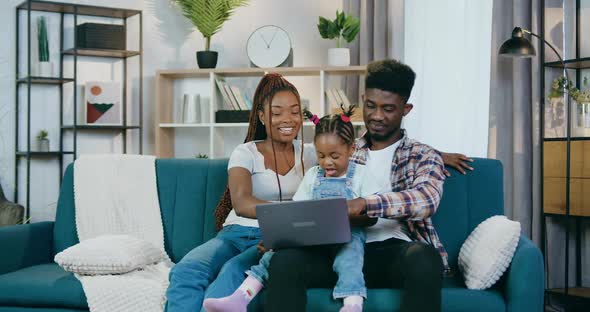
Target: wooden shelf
{"x":580,"y":63}
{"x":185,"y":125}
{"x":259,"y":72}
{"x":580,"y":292}
{"x":101,"y":52}
{"x":45,"y":80}
{"x":230,"y":125}
{"x":167,"y":94}
{"x":88,"y":10}
{"x":98,"y":127}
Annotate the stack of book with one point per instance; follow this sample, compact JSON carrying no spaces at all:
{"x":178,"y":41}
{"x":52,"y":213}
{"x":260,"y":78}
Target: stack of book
{"x":233,"y":96}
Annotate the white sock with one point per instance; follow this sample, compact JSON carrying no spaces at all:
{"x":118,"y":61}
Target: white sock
{"x":353,"y":300}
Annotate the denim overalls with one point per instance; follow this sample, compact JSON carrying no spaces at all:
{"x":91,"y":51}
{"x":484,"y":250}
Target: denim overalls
{"x":348,"y":263}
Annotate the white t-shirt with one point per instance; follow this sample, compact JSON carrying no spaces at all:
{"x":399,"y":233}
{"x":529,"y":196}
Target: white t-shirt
{"x":264,"y":181}
{"x":378,"y":167}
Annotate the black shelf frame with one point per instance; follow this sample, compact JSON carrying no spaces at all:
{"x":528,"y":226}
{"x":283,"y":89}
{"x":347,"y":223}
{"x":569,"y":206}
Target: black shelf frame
{"x":74,"y":52}
{"x":578,"y":63}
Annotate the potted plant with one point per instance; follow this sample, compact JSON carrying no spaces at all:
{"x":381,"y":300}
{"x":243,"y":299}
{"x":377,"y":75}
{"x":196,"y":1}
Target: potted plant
{"x":208,"y":16}
{"x":42,"y":141}
{"x":45,"y":68}
{"x":201,"y":156}
{"x":343,"y":28}
{"x":581,"y":98}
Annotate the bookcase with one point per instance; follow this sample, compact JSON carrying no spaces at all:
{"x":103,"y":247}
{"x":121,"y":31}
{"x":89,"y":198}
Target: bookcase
{"x":35,"y":109}
{"x":217,"y":139}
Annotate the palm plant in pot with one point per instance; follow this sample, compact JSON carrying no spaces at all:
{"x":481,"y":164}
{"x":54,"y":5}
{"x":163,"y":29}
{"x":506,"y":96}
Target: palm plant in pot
{"x":42,"y":141}
{"x":343,"y":28}
{"x":208,"y":16}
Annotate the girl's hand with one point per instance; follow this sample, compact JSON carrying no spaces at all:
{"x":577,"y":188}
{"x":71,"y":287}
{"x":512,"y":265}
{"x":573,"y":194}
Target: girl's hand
{"x":261,"y":248}
{"x":457,"y":161}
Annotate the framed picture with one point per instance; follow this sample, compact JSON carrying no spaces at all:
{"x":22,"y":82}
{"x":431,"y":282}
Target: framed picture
{"x":103,"y":103}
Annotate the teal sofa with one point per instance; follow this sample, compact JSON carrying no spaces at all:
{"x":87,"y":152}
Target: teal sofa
{"x":188,"y":193}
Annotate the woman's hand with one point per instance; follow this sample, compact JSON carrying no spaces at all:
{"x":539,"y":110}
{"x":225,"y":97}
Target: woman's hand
{"x":457,"y":161}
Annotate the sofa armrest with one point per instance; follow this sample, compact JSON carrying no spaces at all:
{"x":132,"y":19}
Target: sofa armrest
{"x":525,"y":284}
{"x":25,"y":245}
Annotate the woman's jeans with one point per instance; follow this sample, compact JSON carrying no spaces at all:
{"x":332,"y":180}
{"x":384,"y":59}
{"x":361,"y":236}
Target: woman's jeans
{"x":207,"y":270}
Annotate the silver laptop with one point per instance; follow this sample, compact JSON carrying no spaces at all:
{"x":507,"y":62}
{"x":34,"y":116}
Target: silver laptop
{"x":304,"y":223}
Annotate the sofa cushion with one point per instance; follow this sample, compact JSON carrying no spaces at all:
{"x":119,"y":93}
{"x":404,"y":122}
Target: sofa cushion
{"x":109,"y":254}
{"x":488,"y":251}
{"x":455,"y":297}
{"x":468,"y":200}
{"x":45,"y":285}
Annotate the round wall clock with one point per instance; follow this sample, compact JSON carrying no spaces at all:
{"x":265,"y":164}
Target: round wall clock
{"x":268,"y":46}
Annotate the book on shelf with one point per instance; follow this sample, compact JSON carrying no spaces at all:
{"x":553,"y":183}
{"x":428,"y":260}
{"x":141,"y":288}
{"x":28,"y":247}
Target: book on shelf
{"x":234,"y":102}
{"x":221,"y":86}
{"x":337,"y":97}
{"x":239,"y":98}
{"x":332,"y":101}
{"x":343,"y":97}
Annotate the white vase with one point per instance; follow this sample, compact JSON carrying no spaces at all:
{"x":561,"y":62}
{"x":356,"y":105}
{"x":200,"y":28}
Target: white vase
{"x":190,"y":108}
{"x":45,"y":69}
{"x":43,"y":145}
{"x":339,"y":57}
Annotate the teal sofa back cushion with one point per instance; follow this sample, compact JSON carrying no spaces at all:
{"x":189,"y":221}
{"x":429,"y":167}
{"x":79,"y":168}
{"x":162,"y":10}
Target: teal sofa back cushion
{"x":467,"y":201}
{"x":188,"y":190}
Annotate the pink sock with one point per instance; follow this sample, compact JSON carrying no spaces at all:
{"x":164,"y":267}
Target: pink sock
{"x":236,"y":302}
{"x":251,"y":286}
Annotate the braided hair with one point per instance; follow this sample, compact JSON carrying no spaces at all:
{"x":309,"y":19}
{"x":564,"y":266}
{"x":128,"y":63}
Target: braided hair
{"x":267,"y":88}
{"x":338,"y":124}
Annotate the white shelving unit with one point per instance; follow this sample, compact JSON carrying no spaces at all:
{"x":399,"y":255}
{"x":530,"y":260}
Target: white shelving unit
{"x":217,"y":140}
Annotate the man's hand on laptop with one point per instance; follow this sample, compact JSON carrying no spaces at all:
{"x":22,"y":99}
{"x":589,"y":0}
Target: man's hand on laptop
{"x":357,"y":207}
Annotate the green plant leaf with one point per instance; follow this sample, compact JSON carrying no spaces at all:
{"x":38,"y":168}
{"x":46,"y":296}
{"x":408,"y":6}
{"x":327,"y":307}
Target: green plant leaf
{"x":343,"y":27}
{"x":209,"y":15}
{"x":352,"y":29}
{"x":326,"y":28}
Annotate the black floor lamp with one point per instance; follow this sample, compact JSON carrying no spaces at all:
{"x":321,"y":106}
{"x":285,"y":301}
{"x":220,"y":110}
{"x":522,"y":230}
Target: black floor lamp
{"x":520,"y":47}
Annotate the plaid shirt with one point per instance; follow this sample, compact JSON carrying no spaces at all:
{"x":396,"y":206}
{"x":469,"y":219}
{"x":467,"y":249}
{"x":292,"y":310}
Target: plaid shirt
{"x":417,"y":179}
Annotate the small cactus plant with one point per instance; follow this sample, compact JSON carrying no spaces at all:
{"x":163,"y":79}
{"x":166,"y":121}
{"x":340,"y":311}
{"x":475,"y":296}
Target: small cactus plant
{"x":42,"y":39}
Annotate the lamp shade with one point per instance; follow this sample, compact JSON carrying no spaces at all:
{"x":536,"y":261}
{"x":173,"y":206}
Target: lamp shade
{"x":517,"y":46}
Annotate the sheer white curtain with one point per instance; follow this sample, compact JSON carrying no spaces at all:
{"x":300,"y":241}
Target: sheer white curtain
{"x":448,"y":44}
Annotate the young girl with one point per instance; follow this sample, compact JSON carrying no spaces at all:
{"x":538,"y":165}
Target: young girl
{"x":335,"y":176}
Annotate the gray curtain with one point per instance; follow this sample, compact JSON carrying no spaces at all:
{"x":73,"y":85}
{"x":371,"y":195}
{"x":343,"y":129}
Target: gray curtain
{"x":514,"y":116}
{"x":381,"y":35}
{"x":515,"y":134}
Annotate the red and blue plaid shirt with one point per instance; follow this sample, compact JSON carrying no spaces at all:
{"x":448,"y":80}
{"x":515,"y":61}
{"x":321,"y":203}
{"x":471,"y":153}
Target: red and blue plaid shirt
{"x":417,"y":177}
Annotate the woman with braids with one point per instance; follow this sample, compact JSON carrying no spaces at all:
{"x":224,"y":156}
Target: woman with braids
{"x":269,"y":166}
{"x":335,"y":176}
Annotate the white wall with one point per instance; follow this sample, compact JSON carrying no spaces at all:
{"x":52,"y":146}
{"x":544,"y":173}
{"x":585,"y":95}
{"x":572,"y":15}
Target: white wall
{"x":170,"y":41}
{"x":448,"y":44}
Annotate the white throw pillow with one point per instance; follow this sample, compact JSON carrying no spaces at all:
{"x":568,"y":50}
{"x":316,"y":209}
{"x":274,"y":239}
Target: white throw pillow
{"x":109,"y":254}
{"x":488,"y":251}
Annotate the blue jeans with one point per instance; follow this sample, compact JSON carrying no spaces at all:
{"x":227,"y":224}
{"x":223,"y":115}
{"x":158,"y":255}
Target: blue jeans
{"x":192,"y":276}
{"x":348,"y":264}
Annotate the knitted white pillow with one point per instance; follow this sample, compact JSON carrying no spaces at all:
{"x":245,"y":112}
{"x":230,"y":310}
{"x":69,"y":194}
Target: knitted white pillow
{"x":488,"y":251}
{"x":109,"y":254}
